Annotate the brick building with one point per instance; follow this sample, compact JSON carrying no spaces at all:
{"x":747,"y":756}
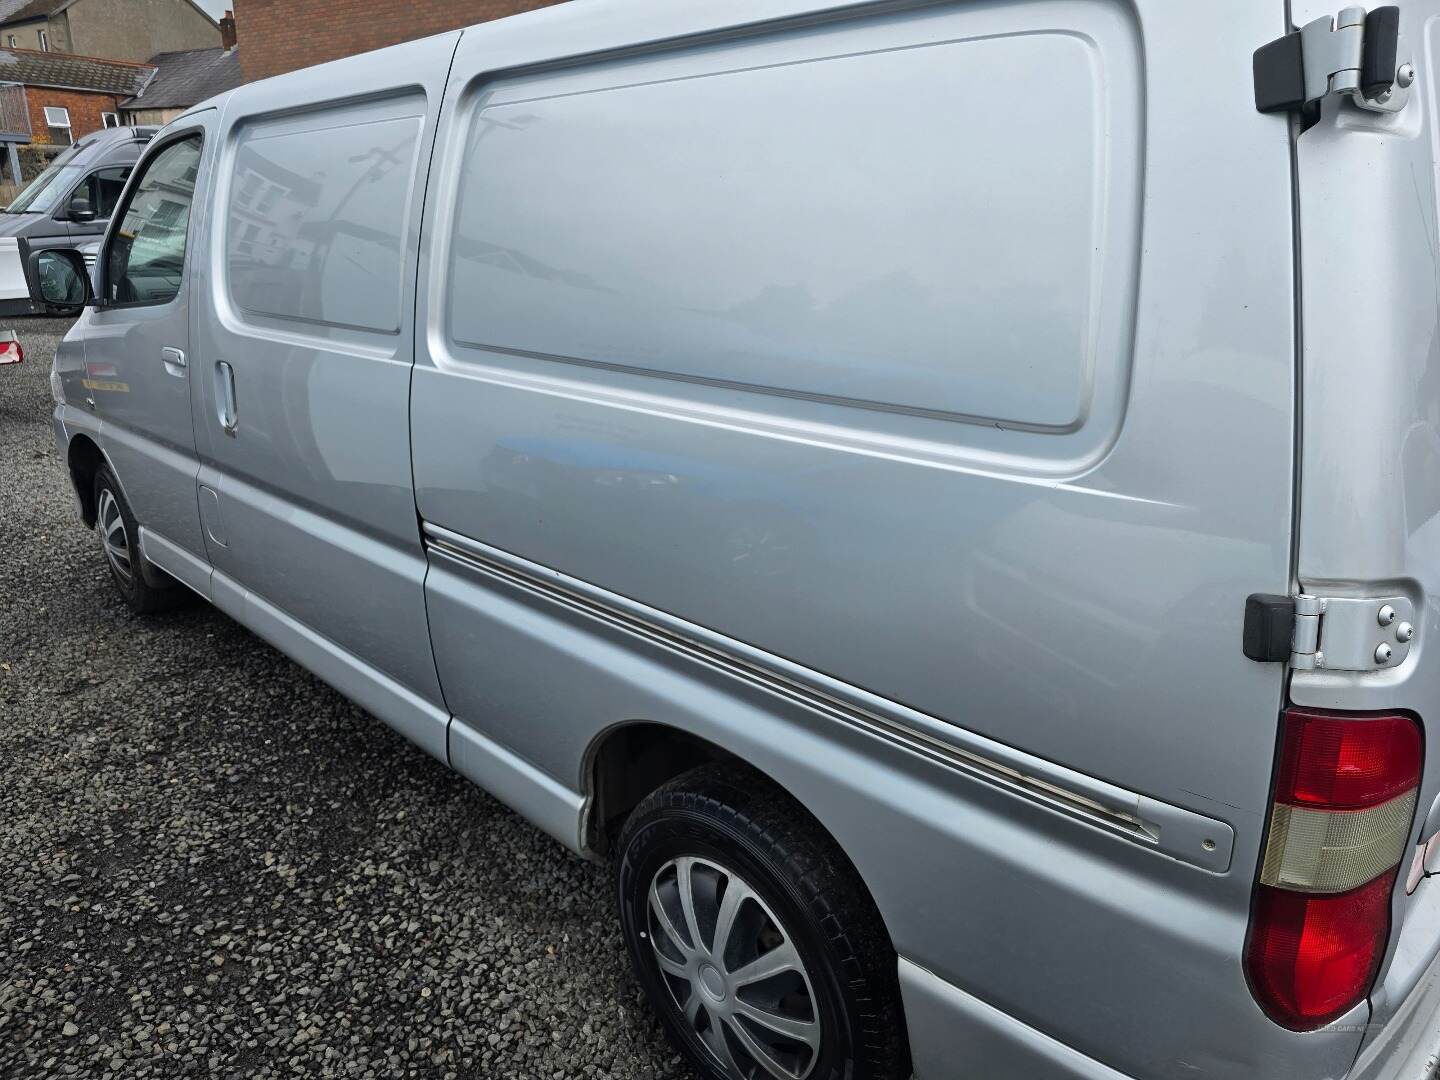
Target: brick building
{"x":70,"y":96}
{"x":282,"y":35}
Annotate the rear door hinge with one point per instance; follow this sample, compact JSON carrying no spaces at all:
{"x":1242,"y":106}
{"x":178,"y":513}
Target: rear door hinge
{"x":1330,"y":633}
{"x":1355,"y":54}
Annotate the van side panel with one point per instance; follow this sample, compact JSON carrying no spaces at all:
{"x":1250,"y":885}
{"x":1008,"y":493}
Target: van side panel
{"x":309,"y":299}
{"x":942,"y":354}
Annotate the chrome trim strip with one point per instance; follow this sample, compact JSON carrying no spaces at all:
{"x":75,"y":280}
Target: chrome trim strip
{"x":1171,"y":830}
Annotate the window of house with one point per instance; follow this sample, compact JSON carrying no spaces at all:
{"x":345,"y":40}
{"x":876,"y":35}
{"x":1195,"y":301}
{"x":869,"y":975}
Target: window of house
{"x":44,"y":41}
{"x":10,"y":40}
{"x":57,"y":119}
{"x":249,"y":187}
{"x":110,"y":119}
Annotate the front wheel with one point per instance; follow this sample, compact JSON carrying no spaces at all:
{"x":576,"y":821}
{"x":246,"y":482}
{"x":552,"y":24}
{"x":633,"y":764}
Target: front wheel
{"x":120,"y":540}
{"x":754,"y":939}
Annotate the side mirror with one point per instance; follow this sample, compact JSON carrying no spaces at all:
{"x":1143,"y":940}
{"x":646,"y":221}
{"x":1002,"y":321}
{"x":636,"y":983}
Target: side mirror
{"x":61,"y":282}
{"x":80,"y":208}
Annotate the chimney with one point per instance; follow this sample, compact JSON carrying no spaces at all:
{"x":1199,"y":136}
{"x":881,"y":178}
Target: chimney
{"x":227,"y":29}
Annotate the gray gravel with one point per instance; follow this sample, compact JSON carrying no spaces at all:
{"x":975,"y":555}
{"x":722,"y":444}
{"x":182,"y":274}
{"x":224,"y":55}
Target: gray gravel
{"x":213,"y":865}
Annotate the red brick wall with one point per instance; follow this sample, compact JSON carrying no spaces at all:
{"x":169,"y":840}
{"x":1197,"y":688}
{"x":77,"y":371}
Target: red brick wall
{"x":85,"y":110}
{"x":276,"y":36}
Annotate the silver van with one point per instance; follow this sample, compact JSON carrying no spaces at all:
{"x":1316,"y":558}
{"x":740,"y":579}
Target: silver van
{"x":945,"y":496}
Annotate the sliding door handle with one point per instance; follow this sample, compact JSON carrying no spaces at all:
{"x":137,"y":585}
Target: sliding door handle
{"x":225,"y":397}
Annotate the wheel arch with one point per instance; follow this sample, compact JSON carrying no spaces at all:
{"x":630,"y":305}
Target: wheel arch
{"x":626,"y":762}
{"x":84,"y":458}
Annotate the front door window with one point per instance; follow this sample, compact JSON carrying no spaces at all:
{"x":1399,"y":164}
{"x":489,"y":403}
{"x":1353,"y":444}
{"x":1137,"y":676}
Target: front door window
{"x":145,"y":263}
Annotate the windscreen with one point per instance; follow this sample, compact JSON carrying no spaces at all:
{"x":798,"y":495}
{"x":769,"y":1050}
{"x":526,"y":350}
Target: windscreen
{"x":45,"y":190}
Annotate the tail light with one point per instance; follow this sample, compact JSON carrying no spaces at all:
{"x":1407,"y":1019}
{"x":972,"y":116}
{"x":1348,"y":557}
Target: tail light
{"x":10,"y":350}
{"x":1344,"y":799}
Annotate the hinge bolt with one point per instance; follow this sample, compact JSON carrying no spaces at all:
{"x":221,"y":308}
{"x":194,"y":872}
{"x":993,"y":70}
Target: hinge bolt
{"x":1386,"y":615}
{"x":1383,"y":652}
{"x":1405,"y":76}
{"x":1404,"y":632}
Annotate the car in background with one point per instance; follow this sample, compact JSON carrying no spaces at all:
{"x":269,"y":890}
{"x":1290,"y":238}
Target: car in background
{"x":68,"y":205}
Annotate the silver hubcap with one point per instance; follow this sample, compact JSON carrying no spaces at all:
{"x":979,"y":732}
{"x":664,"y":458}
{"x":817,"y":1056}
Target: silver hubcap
{"x":112,"y":534}
{"x":733,"y":971}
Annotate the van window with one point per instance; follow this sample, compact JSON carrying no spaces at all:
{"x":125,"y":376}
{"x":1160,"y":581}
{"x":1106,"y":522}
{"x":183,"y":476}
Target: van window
{"x":145,"y":261}
{"x":103,"y":188}
{"x":45,"y":190}
{"x":866,"y":229}
{"x":317,"y":219}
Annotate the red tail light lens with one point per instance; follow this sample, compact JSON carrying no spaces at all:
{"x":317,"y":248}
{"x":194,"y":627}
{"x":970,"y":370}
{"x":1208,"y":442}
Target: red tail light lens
{"x":1312,"y":957}
{"x":1345,"y":793}
{"x":1346,"y":762}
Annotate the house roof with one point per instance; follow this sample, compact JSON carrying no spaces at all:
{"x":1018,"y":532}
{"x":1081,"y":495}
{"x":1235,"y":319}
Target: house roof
{"x":13,"y":11}
{"x":187,"y":78}
{"x":35,"y":68}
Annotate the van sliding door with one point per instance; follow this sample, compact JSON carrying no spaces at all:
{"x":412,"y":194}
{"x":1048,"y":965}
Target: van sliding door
{"x":304,"y":356}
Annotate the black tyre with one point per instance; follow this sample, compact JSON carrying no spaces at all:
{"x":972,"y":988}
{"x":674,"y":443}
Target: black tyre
{"x":119,"y":539}
{"x":754,"y":938}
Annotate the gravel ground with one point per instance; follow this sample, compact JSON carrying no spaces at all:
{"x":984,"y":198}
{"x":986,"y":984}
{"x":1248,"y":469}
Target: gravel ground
{"x":213,"y":865}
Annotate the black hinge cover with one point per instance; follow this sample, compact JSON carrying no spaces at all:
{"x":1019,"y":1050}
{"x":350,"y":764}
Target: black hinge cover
{"x":1280,"y":75}
{"x":1379,"y":51}
{"x":1280,"y":66}
{"x":1269,"y":627}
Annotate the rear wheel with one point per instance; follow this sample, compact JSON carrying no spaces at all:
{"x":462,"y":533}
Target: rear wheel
{"x":753,"y":938}
{"x":119,"y":539}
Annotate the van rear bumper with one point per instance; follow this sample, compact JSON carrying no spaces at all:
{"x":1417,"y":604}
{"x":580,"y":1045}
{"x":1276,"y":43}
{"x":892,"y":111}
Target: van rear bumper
{"x":954,"y":1033}
{"x":1409,"y":1047}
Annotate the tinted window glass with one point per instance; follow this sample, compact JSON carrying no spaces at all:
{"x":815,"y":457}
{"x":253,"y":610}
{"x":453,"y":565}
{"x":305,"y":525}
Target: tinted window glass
{"x":102,"y":189}
{"x":42,"y":192}
{"x":146,"y":259}
{"x":317,"y":220}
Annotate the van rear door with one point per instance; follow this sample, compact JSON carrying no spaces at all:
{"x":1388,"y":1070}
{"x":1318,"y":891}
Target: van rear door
{"x":1370,"y":460}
